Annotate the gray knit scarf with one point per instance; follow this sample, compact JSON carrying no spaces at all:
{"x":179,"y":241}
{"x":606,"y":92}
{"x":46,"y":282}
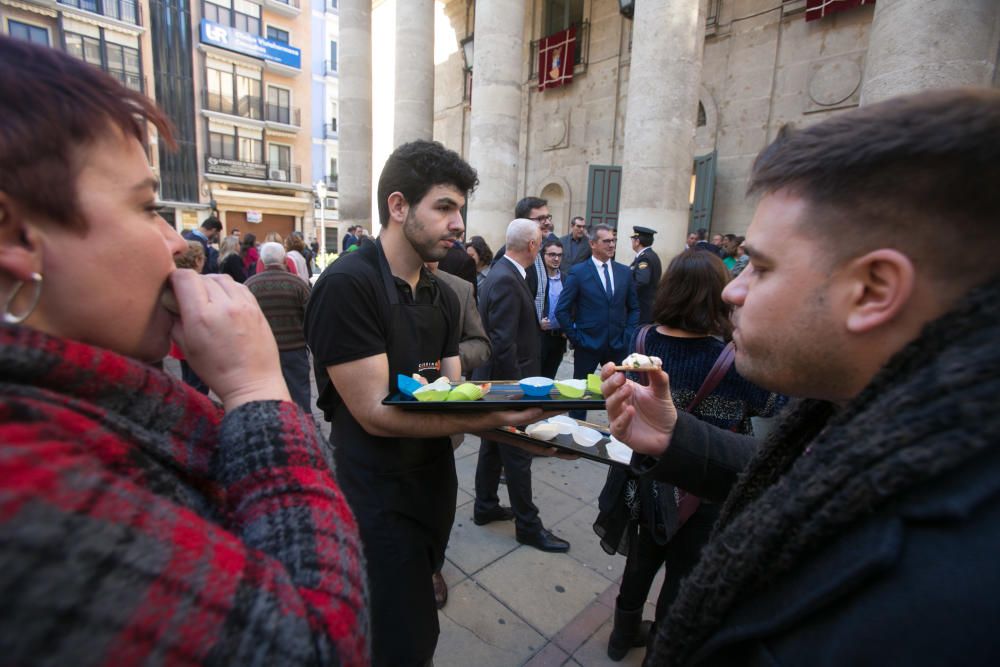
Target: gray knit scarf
{"x":929,"y":410}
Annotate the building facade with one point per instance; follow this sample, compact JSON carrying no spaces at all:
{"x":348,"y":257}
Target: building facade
{"x":667,"y":103}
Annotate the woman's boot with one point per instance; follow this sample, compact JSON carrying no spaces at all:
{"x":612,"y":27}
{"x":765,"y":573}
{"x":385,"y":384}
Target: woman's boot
{"x":629,"y":630}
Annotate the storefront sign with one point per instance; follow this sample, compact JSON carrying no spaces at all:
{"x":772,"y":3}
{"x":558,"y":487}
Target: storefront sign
{"x":226,"y":37}
{"x":254,"y":216}
{"x":224,"y":167}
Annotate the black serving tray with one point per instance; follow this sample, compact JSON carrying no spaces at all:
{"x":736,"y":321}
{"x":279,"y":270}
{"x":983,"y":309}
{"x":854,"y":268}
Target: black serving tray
{"x":504,"y":395}
{"x":598,"y":452}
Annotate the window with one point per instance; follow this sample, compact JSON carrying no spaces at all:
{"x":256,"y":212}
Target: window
{"x":246,"y":16}
{"x":279,"y":107}
{"x":27,"y":32}
{"x":248,"y":96}
{"x":277,"y":34}
{"x":218,"y":11}
{"x":561,"y":14}
{"x":251,"y":149}
{"x":83,"y":47}
{"x":233,"y":90}
{"x":331,"y":64}
{"x":123,"y":64}
{"x":219,"y":84}
{"x":279,"y":162}
{"x":222,"y":145}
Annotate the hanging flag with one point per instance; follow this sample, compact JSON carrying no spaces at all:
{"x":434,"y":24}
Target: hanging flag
{"x":556,"y":56}
{"x":817,"y":9}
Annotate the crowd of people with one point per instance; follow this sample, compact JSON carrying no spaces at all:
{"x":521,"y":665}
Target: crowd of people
{"x":204,"y":519}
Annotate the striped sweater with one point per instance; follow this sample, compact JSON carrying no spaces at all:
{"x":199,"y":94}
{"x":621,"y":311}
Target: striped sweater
{"x":282,"y":296}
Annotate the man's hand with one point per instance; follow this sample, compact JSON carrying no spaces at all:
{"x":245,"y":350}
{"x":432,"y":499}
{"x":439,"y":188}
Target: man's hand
{"x":226,"y":339}
{"x":641,"y":417}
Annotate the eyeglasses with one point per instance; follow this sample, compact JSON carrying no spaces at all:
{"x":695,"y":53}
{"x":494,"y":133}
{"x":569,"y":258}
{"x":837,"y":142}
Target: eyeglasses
{"x":608,"y":241}
{"x":554,"y":254}
{"x":542,"y":218}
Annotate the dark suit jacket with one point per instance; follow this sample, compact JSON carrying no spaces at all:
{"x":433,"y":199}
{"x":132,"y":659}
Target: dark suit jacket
{"x":507,"y":309}
{"x":349,"y":240}
{"x":588,"y":317}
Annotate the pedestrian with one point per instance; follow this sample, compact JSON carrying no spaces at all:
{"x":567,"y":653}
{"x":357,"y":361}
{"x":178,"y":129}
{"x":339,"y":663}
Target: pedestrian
{"x":646,"y":270}
{"x":206,"y":235}
{"x":553,"y":340}
{"x":230,"y":262}
{"x":576,"y":244}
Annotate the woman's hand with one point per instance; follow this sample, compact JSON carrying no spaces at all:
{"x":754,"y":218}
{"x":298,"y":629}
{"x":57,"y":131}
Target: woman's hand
{"x":641,"y":417}
{"x":226,"y":339}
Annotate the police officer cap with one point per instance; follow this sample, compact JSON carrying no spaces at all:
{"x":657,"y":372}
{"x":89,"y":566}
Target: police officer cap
{"x":642,"y":230}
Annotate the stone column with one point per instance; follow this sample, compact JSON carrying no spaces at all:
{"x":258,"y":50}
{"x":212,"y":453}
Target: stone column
{"x":495,"y":125}
{"x":354,"y":159}
{"x":414,"y":105}
{"x":916,"y":45}
{"x":663,"y":87}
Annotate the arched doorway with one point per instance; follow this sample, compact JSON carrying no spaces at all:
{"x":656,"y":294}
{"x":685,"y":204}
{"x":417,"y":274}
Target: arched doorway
{"x":558,"y":207}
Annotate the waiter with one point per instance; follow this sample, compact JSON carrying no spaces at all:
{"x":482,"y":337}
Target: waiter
{"x":373,"y":314}
{"x":646,"y":271}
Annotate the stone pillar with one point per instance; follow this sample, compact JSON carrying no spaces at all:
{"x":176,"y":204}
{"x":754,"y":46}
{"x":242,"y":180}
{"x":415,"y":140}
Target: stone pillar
{"x":495,"y":126}
{"x":414,"y":106}
{"x":354,"y":159}
{"x":663,"y":87}
{"x":917,"y":45}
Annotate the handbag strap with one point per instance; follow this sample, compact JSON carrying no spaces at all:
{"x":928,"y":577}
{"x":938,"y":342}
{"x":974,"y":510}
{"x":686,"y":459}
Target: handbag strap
{"x":719,"y":370}
{"x":640,"y":348}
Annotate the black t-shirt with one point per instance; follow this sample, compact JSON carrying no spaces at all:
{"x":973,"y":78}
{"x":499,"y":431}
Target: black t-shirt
{"x":346,"y":317}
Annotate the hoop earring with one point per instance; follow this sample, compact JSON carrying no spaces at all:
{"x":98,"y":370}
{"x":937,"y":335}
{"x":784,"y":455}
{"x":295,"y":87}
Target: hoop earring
{"x":11,"y":318}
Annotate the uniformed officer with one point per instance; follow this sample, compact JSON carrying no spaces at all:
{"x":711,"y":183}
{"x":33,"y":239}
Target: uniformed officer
{"x":646,"y":271}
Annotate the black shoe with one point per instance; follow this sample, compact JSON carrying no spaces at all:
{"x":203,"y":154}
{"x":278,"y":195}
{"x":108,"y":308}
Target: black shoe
{"x":629,"y":631}
{"x":544,"y":540}
{"x":498,"y":513}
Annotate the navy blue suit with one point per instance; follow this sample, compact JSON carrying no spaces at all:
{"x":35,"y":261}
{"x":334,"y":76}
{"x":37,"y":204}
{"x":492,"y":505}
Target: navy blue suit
{"x":599,"y":327}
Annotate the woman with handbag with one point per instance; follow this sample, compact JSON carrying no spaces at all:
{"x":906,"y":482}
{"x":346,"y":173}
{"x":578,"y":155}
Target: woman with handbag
{"x":653,"y":523}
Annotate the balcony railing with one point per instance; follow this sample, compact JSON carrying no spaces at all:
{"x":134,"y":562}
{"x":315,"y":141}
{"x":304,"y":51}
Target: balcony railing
{"x":331,"y":183}
{"x":275,"y":113}
{"x":244,"y":107}
{"x":581,"y":56}
{"x":133,"y":81}
{"x":330,"y":129}
{"x":330,"y":67}
{"x":127,"y":11}
{"x":285,"y":174}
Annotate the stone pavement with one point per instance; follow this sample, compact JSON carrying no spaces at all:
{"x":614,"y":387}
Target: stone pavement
{"x":510,"y":604}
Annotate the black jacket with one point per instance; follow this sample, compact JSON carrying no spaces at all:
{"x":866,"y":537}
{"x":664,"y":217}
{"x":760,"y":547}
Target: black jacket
{"x":507,"y":309}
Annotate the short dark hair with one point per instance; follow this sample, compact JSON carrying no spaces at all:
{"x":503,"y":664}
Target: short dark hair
{"x":52,"y":104}
{"x":645,"y":240}
{"x":577,"y":217}
{"x":478,"y":243}
{"x":212,"y":223}
{"x":689,"y":296}
{"x":917,"y":173}
{"x":523,"y":208}
{"x":702,"y":233}
{"x":416,"y":167}
{"x":551,"y":241}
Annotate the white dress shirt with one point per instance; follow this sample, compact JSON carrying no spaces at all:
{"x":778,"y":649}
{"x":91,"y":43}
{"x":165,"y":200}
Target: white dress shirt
{"x":600,"y":272}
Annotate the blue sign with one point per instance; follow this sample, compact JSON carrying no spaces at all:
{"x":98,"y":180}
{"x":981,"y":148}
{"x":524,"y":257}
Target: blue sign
{"x":231,"y":39}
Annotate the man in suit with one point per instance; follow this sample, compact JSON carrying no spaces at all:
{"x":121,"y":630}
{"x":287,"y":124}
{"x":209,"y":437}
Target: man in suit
{"x":576,"y":244}
{"x":508,"y":312}
{"x":350,"y":238}
{"x":646,"y":271}
{"x":703,"y":244}
{"x":598,"y":309}
{"x":535,"y":209}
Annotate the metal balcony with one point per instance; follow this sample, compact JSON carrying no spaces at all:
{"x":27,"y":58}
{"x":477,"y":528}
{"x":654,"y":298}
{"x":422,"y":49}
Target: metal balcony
{"x":126,"y":11}
{"x":274,"y":113}
{"x":244,"y":107}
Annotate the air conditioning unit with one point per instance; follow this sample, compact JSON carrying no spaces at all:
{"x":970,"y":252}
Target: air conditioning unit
{"x":279,"y":175}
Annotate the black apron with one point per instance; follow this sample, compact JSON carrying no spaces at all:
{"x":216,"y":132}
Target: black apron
{"x":402,"y":491}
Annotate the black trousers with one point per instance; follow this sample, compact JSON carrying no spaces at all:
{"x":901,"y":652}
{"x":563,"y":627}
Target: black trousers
{"x":553,"y":348}
{"x":586,"y":360}
{"x":517,"y":464}
{"x":680,"y":554}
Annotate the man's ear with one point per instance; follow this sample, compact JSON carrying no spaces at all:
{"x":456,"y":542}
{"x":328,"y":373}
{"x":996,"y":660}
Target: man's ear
{"x":398,"y":207}
{"x":20,"y":241}
{"x":882,"y":284}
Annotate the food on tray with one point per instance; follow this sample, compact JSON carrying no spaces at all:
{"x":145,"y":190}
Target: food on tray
{"x":468,"y":392}
{"x":594,"y":384}
{"x":536,"y":387}
{"x":571,"y":388}
{"x":639,"y":362}
{"x":586,"y":436}
{"x":435,"y":391}
{"x":618,"y":451}
{"x":566,"y":424}
{"x":542,"y":430}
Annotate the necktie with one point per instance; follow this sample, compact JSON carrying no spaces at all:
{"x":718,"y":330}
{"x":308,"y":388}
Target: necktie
{"x":607,"y":281}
